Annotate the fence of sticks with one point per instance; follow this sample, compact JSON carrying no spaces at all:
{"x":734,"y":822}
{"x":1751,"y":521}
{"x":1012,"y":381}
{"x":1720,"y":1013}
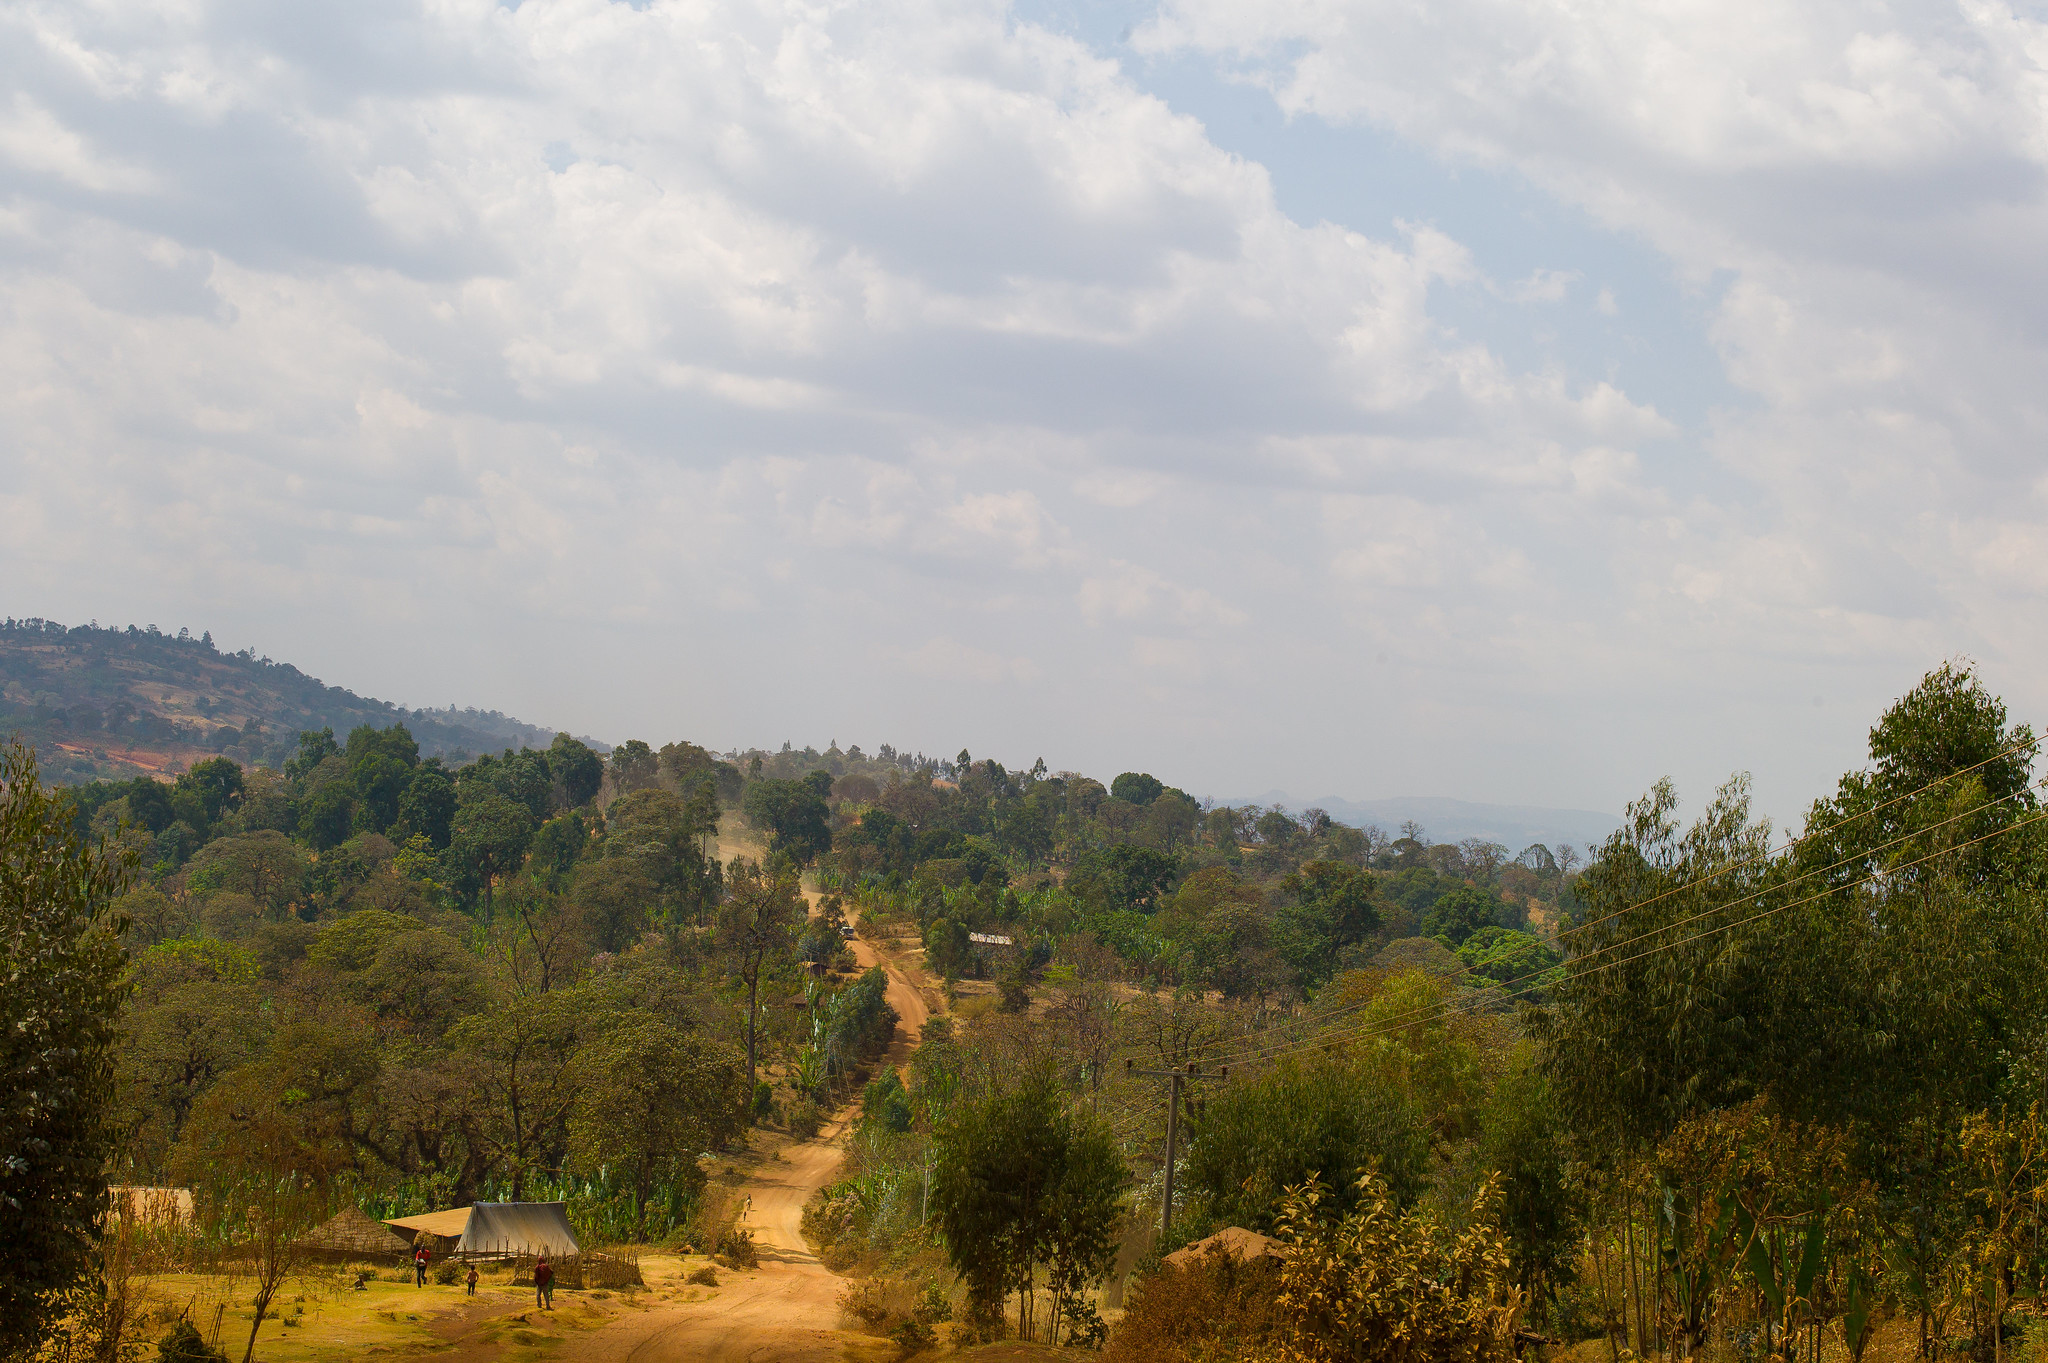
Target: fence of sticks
{"x":615,"y":1268}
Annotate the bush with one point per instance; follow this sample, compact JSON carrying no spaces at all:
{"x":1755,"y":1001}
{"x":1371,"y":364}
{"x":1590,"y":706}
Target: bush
{"x":913,"y":1335}
{"x":736,"y":1248}
{"x":805,"y":1119}
{"x":707,"y":1276}
{"x":184,"y":1345}
{"x":446,"y":1274}
{"x":764,"y":1100}
{"x":1218,"y":1307}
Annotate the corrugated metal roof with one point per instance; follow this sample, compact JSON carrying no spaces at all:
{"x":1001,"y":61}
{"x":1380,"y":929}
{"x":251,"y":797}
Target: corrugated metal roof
{"x":989,"y":939}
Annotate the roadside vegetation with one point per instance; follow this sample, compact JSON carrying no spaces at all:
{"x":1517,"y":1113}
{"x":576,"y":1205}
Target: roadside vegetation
{"x":1699,"y":1090}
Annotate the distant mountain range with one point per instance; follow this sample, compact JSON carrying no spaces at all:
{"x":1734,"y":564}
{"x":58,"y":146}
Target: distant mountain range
{"x":125,"y":702}
{"x":1442,"y":820}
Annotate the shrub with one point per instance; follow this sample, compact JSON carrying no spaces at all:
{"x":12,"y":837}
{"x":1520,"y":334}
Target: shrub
{"x":184,"y":1345}
{"x":707,"y":1276}
{"x":445,"y":1274}
{"x":913,"y":1335}
{"x":736,"y":1248}
{"x":805,"y":1119}
{"x":1214,"y":1309}
{"x":1383,"y":1283}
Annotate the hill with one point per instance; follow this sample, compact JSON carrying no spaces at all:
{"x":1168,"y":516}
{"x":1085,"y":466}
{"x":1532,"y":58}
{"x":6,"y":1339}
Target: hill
{"x":117,"y":702}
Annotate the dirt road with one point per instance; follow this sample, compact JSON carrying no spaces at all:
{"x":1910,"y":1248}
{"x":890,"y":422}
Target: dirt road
{"x":787,"y":1311}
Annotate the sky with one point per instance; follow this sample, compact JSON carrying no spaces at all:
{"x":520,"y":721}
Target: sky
{"x":1507,"y":400}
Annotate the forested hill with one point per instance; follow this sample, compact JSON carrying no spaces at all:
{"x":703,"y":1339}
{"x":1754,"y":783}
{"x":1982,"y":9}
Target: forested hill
{"x":116,"y":702}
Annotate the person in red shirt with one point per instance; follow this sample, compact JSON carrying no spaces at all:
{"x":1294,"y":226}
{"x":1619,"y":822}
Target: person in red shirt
{"x":419,"y":1266}
{"x":544,"y":1284}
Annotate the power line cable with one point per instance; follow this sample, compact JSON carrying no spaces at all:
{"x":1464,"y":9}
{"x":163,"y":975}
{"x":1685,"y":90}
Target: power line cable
{"x":1862,"y":855}
{"x":1381,"y":1029}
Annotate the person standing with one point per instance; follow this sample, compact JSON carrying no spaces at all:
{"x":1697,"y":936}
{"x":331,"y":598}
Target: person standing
{"x":544,"y":1284}
{"x":472,"y":1280}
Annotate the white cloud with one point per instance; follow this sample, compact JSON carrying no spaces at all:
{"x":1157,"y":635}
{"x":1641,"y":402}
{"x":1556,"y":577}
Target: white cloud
{"x":730,"y":367}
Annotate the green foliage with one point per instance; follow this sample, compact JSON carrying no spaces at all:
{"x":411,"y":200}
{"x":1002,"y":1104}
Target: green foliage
{"x":488,"y":839}
{"x":794,"y":815}
{"x":1319,"y":1115}
{"x":1509,"y":957}
{"x":184,"y":1344}
{"x":1128,"y":877}
{"x":577,"y":771}
{"x":1335,"y":908}
{"x":1024,"y":1180}
{"x":427,"y":808}
{"x":1136,"y":787}
{"x":1459,"y":912}
{"x":61,"y":987}
{"x":650,"y":1098}
{"x":859,"y":1022}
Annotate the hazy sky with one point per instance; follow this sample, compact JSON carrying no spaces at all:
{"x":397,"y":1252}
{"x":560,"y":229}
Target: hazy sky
{"x":1505,"y":399}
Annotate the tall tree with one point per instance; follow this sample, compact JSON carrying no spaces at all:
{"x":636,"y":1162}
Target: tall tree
{"x":489,"y":838}
{"x":61,"y":987}
{"x":651,"y":1097}
{"x":757,"y":925}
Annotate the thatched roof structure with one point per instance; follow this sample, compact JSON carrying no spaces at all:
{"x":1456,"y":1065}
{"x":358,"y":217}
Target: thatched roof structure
{"x":1246,"y":1246}
{"x":351,"y":1234}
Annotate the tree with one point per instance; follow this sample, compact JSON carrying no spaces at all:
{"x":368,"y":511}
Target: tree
{"x":61,"y":988}
{"x":652,"y":1097}
{"x":489,"y":839}
{"x":577,"y":770}
{"x":265,"y":866}
{"x":523,"y":1057}
{"x":1335,"y":906}
{"x":633,"y":765}
{"x":215,"y":786}
{"x":1136,"y":787}
{"x":263,"y":1152}
{"x":1315,"y":1115}
{"x":427,"y":809}
{"x":1458,"y":913}
{"x":794,"y":815}
{"x":327,"y":815}
{"x":757,"y":924}
{"x":1508,"y":957}
{"x":1024,"y":1180}
{"x":1134,"y":878}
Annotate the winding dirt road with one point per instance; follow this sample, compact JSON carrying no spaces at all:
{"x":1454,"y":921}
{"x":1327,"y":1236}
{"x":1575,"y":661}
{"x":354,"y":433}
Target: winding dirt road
{"x":788,"y":1311}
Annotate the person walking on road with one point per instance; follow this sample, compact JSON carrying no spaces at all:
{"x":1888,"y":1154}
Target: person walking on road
{"x":544,"y":1284}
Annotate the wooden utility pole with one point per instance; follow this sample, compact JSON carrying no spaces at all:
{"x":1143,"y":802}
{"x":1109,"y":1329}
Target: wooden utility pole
{"x":1175,"y":1078}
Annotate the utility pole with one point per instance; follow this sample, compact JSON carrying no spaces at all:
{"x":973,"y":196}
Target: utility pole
{"x":1175,"y":1078}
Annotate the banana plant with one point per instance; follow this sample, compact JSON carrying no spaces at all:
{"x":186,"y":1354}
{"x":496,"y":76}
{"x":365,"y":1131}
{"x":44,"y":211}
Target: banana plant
{"x":1786,"y":1262}
{"x":1697,"y":1278}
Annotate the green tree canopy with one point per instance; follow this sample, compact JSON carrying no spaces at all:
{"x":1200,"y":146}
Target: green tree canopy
{"x":61,"y":988}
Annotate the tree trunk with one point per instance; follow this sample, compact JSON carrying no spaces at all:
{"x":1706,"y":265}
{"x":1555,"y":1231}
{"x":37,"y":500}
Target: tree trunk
{"x":753,"y":1013}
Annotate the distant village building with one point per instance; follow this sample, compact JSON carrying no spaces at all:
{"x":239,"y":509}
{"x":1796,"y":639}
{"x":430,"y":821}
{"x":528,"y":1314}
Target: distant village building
{"x":989,"y":939}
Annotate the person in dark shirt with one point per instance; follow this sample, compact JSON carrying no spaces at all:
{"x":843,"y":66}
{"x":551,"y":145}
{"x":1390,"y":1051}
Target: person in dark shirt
{"x":544,"y":1284}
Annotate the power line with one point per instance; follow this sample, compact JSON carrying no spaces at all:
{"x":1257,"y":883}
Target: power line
{"x":1454,"y":1010}
{"x":1863,"y":855}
